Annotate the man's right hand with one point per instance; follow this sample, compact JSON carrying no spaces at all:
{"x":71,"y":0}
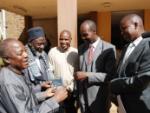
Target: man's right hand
{"x":60,"y":94}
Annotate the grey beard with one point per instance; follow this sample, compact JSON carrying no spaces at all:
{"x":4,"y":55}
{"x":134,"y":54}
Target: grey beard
{"x":39,"y":53}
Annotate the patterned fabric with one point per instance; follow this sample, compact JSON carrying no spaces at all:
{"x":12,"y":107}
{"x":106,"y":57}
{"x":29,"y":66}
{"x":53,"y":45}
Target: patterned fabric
{"x":43,"y":67}
{"x":36,"y":74}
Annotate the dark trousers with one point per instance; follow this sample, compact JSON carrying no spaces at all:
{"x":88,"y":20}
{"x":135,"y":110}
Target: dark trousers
{"x":69,"y":104}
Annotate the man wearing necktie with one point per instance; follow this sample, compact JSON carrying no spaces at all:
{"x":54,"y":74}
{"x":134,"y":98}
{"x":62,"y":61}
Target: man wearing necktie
{"x":90,"y":54}
{"x":133,"y":82}
{"x":97,"y":63}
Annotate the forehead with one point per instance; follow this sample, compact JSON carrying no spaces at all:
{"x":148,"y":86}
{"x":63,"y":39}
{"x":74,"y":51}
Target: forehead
{"x":125,"y":23}
{"x":39,"y":39}
{"x":84,"y":26}
{"x":16,"y":46}
{"x":65,"y":35}
{"x":126,"y":20}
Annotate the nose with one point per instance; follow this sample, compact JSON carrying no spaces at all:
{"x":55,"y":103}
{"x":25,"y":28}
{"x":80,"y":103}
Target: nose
{"x":25,"y":54}
{"x":41,"y":46}
{"x":62,"y":42}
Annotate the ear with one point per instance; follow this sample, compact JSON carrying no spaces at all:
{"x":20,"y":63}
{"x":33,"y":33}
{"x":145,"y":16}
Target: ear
{"x":136,"y":24}
{"x":6,"y":60}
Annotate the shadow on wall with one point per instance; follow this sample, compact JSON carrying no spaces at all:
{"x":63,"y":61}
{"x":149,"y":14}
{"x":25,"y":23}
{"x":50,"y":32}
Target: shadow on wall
{"x":23,"y":36}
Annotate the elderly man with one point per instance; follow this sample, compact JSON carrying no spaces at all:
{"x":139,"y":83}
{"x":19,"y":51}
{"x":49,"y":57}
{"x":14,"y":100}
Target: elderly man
{"x":133,"y":83}
{"x":38,"y":72}
{"x":39,"y":68}
{"x":15,"y":95}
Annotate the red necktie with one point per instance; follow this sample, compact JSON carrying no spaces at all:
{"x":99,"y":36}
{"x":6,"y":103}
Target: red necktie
{"x":90,"y":54}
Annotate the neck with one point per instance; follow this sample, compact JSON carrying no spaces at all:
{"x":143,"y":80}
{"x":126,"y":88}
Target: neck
{"x":63,"y":50}
{"x":17,"y":71}
{"x":94,"y":40}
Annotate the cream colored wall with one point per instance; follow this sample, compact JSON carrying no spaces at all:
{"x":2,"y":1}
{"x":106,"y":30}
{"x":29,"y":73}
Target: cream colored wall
{"x":50,"y":28}
{"x":67,"y":18}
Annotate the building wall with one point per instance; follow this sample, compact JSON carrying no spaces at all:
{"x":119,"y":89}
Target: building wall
{"x":15,"y":25}
{"x":50,"y":28}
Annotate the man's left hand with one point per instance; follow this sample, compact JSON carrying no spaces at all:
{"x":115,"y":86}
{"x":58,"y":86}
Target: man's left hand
{"x":80,"y":75}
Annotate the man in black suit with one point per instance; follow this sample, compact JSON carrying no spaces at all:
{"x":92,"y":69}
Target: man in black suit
{"x":133,"y":81}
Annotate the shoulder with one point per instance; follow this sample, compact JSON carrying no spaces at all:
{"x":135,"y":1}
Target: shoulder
{"x":52,"y":50}
{"x":73,"y":49}
{"x":7,"y":76}
{"x":146,"y":39}
{"x":107,"y":44}
{"x":146,"y":43}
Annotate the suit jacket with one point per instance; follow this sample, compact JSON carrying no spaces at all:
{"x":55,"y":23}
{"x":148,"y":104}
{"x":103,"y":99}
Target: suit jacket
{"x":133,"y":83}
{"x":94,"y":91}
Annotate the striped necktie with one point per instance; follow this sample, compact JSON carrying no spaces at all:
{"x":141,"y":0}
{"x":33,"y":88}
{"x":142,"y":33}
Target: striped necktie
{"x":90,"y":54}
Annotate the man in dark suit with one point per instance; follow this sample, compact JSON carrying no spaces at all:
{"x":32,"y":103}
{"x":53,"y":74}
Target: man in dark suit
{"x":133,"y":82}
{"x":97,"y":63}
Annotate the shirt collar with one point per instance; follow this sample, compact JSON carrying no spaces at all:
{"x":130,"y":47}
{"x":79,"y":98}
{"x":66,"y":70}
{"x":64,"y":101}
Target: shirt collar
{"x":95,"y":43}
{"x":137,"y":41}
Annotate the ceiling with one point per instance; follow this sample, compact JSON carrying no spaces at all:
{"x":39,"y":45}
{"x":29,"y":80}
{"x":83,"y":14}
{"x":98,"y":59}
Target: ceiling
{"x":48,"y":8}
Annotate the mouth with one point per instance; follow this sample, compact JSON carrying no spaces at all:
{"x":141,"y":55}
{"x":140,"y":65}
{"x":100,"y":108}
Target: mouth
{"x":26,"y":62}
{"x":63,"y":45}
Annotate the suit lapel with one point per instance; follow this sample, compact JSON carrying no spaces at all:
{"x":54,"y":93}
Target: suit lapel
{"x":133,"y":56}
{"x":136,"y":51}
{"x":98,"y":50}
{"x":85,"y":55}
{"x":121,"y":58}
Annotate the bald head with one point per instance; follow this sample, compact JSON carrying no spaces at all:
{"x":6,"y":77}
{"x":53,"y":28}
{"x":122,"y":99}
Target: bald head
{"x":131,"y":27}
{"x":14,"y":54}
{"x":90,"y":23}
{"x":134,"y":19}
{"x":65,"y":32}
{"x":5,"y":47}
{"x":64,"y":40}
{"x":88,"y":31}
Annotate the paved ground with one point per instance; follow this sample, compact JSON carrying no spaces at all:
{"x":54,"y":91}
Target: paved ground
{"x":113,"y":108}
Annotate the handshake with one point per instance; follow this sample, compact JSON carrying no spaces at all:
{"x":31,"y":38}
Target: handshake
{"x":55,"y":89}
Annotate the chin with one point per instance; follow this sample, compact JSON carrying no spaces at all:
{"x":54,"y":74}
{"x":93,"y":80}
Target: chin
{"x":25,"y":66}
